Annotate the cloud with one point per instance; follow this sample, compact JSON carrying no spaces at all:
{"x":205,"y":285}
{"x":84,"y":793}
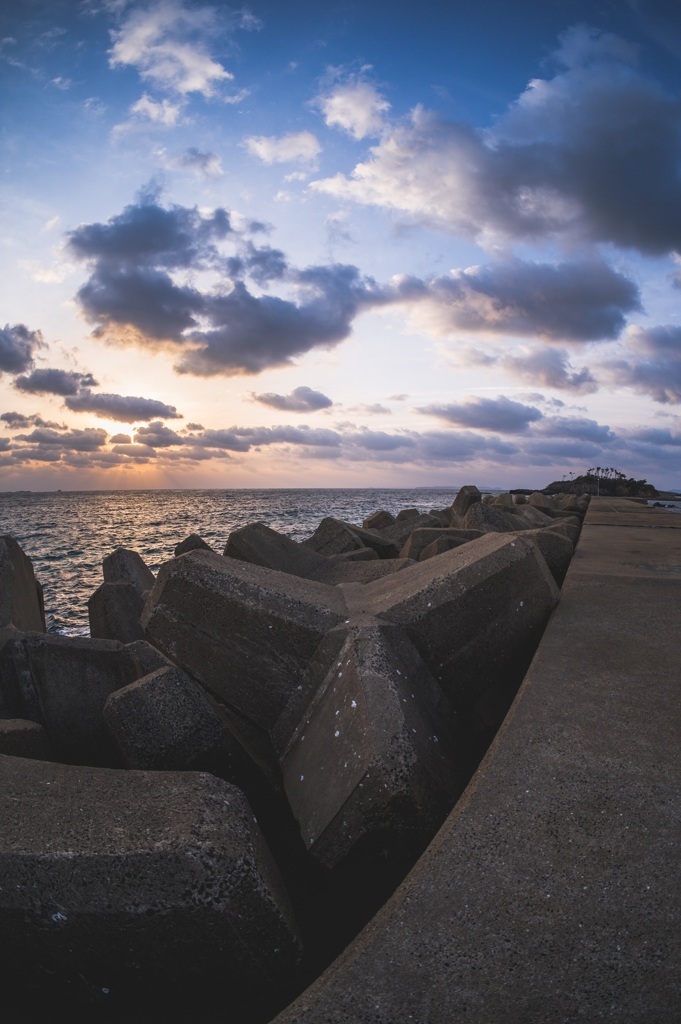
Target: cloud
{"x":15,"y":420}
{"x":355,"y":106}
{"x":498,"y":414}
{"x":48,"y":381}
{"x":651,"y":364}
{"x":551,"y":368}
{"x":163,"y":112}
{"x":137,"y":294}
{"x":296,"y":147}
{"x":301,"y":399}
{"x":590,"y":153}
{"x":17,"y":347}
{"x":85,"y":440}
{"x":207,"y":164}
{"x":132,"y":296}
{"x":157,"y":435}
{"x":575,"y":428}
{"x":169,"y":45}
{"x":576,"y":302}
{"x":125,"y":409}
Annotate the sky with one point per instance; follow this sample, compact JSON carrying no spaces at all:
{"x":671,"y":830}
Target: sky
{"x":339,"y":244}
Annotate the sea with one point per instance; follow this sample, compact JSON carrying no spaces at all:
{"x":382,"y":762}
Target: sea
{"x":66,"y":534}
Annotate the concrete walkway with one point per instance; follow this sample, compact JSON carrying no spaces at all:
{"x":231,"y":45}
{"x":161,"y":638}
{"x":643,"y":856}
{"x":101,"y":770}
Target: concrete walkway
{"x":553,"y":891}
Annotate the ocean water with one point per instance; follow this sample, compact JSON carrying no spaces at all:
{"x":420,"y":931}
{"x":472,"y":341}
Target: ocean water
{"x":66,"y":534}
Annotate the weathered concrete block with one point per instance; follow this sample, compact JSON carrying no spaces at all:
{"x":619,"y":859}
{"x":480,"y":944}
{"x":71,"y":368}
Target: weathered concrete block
{"x":452,"y":539}
{"x":164,"y":721}
{"x":357,"y":555}
{"x":63,"y":683}
{"x":556,"y":548}
{"x":21,"y":605}
{"x":423,"y":536}
{"x":369,"y":771}
{"x":408,"y":515}
{"x":191,"y":543}
{"x":378,"y":520}
{"x":505,"y":499}
{"x":114,"y":611}
{"x":126,"y":566}
{"x":569,"y":529}
{"x":541,"y":501}
{"x":489,"y":518}
{"x":21,"y":738}
{"x":243,"y":631}
{"x":534,"y":515}
{"x":401,"y":530}
{"x":334,"y":537}
{"x":260,"y":545}
{"x":130,"y":888}
{"x":474,"y":614}
{"x":467,"y":496}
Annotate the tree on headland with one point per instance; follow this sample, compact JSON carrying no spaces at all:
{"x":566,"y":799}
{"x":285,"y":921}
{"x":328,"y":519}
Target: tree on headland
{"x":604,"y":480}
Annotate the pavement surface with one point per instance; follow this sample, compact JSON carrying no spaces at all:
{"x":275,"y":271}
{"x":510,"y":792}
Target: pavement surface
{"x":552,"y":893}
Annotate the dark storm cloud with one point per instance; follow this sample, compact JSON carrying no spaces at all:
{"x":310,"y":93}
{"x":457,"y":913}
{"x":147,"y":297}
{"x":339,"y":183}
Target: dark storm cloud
{"x":48,"y":381}
{"x":652,"y":366}
{"x":498,"y":414}
{"x":131,"y":296}
{"x":593,"y":152}
{"x":301,"y":399}
{"x":573,"y":302}
{"x":124,"y":408}
{"x":17,"y":347}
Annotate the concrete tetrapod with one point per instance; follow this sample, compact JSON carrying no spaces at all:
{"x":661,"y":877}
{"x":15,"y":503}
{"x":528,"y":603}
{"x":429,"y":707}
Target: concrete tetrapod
{"x":462,"y":627}
{"x":136,"y":889}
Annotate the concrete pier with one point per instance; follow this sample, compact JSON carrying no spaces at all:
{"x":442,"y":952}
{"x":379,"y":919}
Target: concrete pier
{"x":552,"y":893}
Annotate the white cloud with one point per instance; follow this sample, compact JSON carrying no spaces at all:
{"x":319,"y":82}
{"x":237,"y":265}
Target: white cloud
{"x":168,"y":43}
{"x":301,"y":147}
{"x":354,"y":106}
{"x":163,"y":113}
{"x":589,"y":154}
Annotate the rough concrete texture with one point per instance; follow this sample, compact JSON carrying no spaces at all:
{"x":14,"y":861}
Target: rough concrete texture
{"x":129,"y":887}
{"x":62,"y":683}
{"x":258,"y":544}
{"x":401,"y":529}
{"x":369,"y":770}
{"x":421,"y":537}
{"x":22,"y":738}
{"x":20,"y":597}
{"x":552,"y":892}
{"x":472,"y":612}
{"x":126,"y":566}
{"x":467,"y":495}
{"x":490,"y":518}
{"x":114,"y":611}
{"x":556,"y":548}
{"x":333,"y":537}
{"x":164,"y":721}
{"x":191,"y":543}
{"x":378,"y":519}
{"x":243,"y":631}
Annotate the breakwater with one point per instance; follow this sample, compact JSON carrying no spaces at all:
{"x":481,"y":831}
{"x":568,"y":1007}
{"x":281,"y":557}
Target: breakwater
{"x":342,"y":689}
